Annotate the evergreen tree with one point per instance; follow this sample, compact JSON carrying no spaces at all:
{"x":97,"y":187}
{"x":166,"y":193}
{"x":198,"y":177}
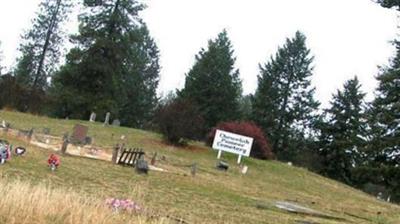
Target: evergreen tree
{"x":114,"y":67}
{"x":390,"y":3}
{"x":343,"y":134}
{"x":283,"y":104}
{"x":213,"y":82}
{"x":40,"y":50}
{"x":386,"y":112}
{"x":140,"y":82}
{"x":381,"y":165}
{"x":245,"y":107}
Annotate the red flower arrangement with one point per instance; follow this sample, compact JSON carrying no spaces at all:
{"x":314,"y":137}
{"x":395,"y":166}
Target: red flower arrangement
{"x":53,"y":160}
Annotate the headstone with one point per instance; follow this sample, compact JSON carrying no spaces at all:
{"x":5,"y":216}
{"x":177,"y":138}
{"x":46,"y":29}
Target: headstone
{"x":116,"y":122}
{"x":379,"y":196}
{"x":64,"y":146}
{"x":92,"y":117}
{"x":5,"y":126}
{"x":244,"y":169}
{"x":221,"y":165}
{"x":142,"y":166}
{"x":107,"y":120}
{"x":79,"y":134}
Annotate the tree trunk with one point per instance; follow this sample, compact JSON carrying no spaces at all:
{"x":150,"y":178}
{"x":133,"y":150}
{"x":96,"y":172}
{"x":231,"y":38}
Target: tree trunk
{"x":46,"y":44}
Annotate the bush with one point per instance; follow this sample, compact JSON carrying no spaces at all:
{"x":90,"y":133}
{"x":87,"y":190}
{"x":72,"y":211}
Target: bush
{"x":261,"y":149}
{"x":17,"y":97}
{"x":179,"y":120}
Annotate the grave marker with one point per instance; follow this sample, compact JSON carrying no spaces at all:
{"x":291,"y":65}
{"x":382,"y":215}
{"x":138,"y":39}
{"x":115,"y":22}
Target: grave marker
{"x":79,"y":134}
{"x":116,"y":122}
{"x":107,"y":120}
{"x":92,"y":117}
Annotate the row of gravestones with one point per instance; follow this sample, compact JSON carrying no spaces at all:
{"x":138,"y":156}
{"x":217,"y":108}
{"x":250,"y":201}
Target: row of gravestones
{"x":115,"y":122}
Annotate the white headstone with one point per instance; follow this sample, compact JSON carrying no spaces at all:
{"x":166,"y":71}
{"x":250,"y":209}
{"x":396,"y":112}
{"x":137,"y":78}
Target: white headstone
{"x":116,"y":122}
{"x":107,"y":120}
{"x":92,"y":117}
{"x":245,"y":169}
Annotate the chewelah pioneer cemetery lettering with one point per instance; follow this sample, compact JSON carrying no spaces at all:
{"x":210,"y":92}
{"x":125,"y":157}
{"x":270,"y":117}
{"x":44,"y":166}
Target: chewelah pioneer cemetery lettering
{"x":233,"y":143}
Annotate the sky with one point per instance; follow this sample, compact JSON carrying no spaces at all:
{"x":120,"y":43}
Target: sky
{"x":347,"y":38}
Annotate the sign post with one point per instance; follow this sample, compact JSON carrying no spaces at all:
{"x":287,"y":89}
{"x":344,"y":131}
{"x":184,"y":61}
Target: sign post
{"x":219,"y":154}
{"x":233,"y":143}
{"x":239,"y":158}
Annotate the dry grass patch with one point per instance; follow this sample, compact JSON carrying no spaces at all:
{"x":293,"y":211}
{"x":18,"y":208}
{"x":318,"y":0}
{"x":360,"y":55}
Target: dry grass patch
{"x":24,"y":203}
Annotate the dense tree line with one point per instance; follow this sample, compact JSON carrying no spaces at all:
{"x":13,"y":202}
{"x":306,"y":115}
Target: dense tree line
{"x":114,"y":67}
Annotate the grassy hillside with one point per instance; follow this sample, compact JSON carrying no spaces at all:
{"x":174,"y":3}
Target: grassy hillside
{"x":209,"y":197}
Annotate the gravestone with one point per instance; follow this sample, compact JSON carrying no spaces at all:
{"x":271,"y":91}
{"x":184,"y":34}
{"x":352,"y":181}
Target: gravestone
{"x":221,"y":165}
{"x":107,"y":120}
{"x":244,"y":169}
{"x":65,"y":143}
{"x":92,"y":117}
{"x":142,"y":166}
{"x":116,"y":122}
{"x":79,"y":134}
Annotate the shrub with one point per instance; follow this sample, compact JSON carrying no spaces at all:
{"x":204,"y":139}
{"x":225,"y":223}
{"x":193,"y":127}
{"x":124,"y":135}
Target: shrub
{"x":179,"y":120}
{"x":261,"y":148}
{"x":14,"y":95}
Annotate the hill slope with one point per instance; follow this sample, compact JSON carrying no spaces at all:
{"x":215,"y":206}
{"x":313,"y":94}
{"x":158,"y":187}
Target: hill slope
{"x":209,"y":197}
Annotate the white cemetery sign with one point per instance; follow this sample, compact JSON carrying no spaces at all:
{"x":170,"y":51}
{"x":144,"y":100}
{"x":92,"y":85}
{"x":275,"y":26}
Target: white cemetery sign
{"x":233,"y":143}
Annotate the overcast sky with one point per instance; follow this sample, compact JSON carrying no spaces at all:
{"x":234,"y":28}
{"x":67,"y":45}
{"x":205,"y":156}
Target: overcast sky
{"x":347,"y":37}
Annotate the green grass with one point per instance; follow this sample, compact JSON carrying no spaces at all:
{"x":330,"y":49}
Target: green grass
{"x":210,"y":197}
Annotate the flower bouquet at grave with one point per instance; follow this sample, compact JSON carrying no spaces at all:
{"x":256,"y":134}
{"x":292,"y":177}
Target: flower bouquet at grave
{"x":5,"y":151}
{"x":125,"y":205}
{"x":53,"y":162}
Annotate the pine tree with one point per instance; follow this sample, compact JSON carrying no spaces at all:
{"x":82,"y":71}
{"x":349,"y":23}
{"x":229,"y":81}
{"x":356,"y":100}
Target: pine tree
{"x":213,"y":82}
{"x":283,"y":104}
{"x":114,"y":67}
{"x":381,"y":164}
{"x":389,"y":3}
{"x":245,"y":107}
{"x":343,"y":134}
{"x":40,"y":50}
{"x":386,"y":113}
{"x":140,"y":82}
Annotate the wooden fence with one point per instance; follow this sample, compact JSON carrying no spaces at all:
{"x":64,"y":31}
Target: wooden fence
{"x":130,"y":156}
